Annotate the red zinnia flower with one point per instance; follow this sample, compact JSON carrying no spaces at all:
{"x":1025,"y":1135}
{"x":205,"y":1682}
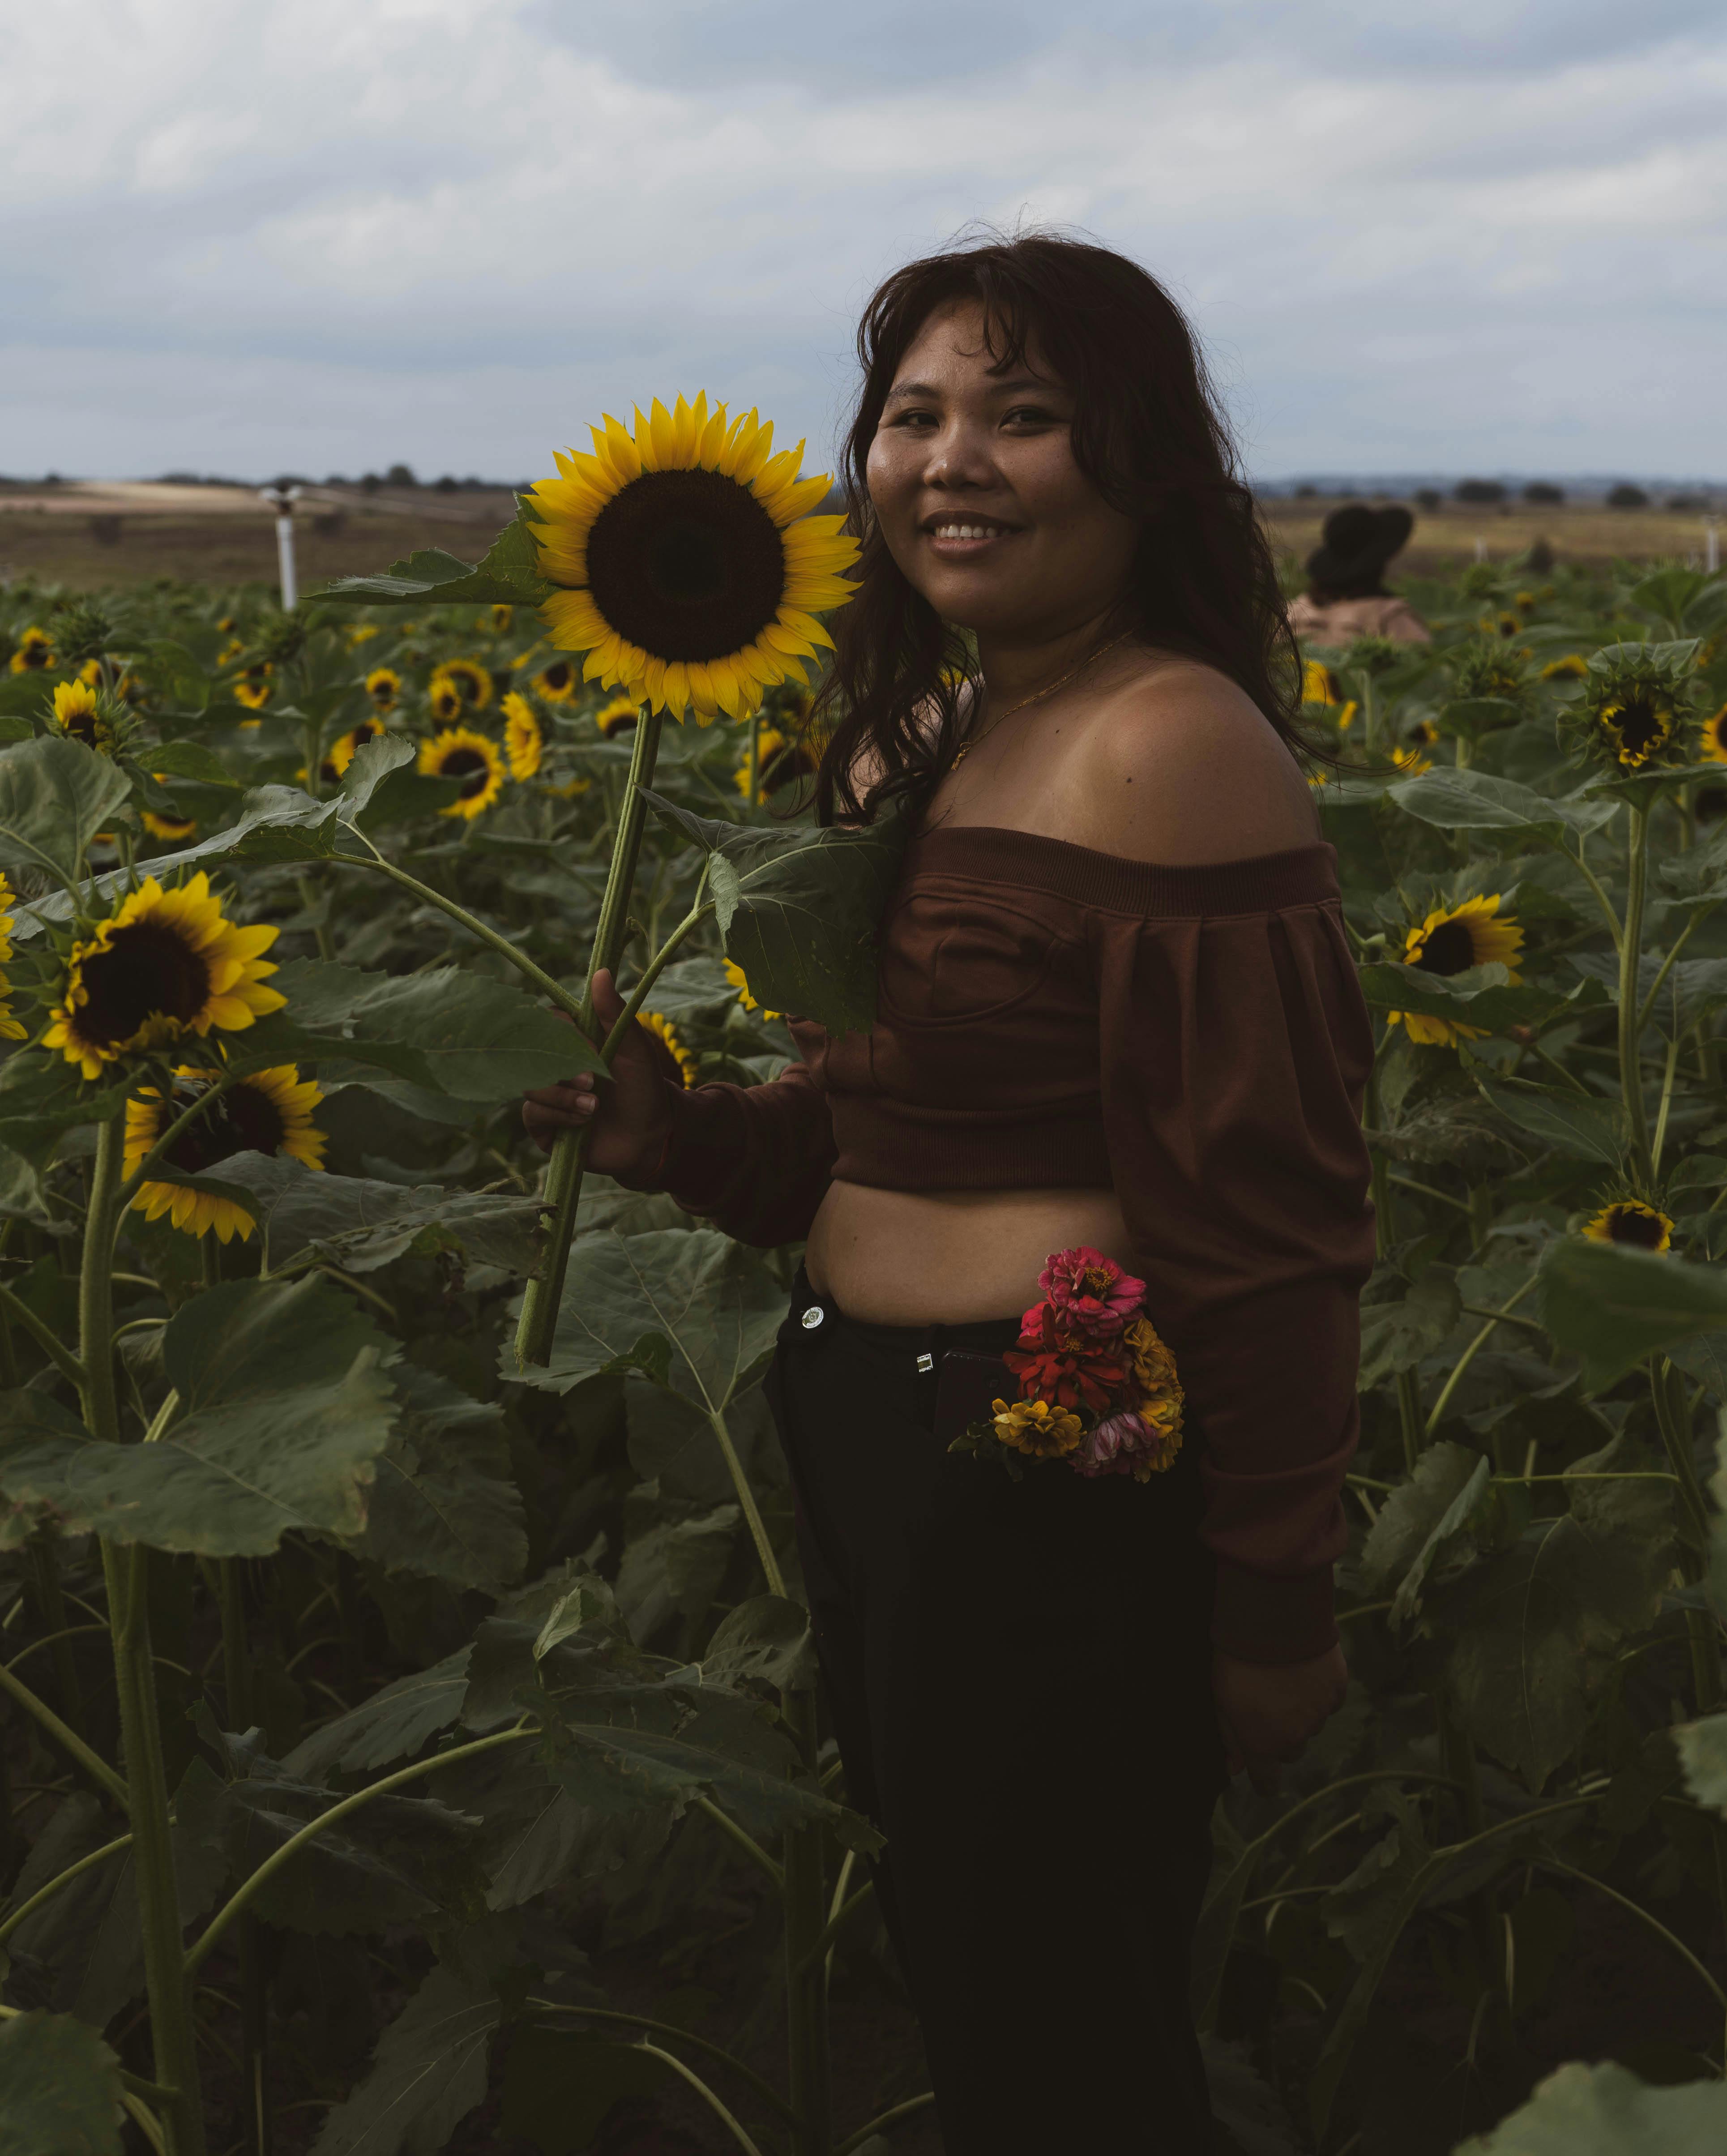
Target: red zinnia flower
{"x":1056,"y":1365}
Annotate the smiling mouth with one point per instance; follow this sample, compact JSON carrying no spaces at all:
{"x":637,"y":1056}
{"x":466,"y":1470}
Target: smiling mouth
{"x":968,"y":527}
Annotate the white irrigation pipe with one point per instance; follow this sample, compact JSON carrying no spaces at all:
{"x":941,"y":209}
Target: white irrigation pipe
{"x":282,"y":500}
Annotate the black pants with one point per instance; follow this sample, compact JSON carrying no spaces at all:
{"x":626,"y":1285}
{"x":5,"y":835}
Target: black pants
{"x":1018,"y":1674}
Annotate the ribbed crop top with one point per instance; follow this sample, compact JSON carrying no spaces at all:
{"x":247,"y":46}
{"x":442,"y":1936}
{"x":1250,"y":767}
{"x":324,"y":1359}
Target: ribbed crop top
{"x":1195,"y":1040}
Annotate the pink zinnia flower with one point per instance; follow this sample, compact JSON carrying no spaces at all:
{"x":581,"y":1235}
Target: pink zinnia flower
{"x":1091,"y":1291}
{"x":1126,"y":1445}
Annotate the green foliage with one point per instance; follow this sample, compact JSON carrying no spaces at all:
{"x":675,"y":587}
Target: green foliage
{"x":59,"y":2088}
{"x":1604,"y":2111}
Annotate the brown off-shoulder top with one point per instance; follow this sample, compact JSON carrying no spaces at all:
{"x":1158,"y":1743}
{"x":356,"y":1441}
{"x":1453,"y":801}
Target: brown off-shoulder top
{"x":1193,"y":1039}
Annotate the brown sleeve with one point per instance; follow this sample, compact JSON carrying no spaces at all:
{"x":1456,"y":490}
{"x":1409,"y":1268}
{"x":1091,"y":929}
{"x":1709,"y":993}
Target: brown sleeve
{"x":1235,"y":1051}
{"x":756,"y":1160}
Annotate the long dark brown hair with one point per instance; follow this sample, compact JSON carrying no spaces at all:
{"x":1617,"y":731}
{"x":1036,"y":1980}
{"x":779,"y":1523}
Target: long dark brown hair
{"x":1148,"y":433}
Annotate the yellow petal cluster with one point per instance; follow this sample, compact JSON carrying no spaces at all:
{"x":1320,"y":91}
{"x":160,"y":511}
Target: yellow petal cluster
{"x":1036,"y":1427}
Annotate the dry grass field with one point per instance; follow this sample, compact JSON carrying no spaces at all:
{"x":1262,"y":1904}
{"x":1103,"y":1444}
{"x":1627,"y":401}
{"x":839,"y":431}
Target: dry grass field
{"x":88,"y":534}
{"x":1584,"y":534}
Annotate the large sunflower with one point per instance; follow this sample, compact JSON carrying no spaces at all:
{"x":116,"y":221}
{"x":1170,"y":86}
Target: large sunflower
{"x":78,"y":714}
{"x":35,"y":653}
{"x":460,"y":752}
{"x":268,"y":1111}
{"x":10,"y":1029}
{"x":557,"y":681}
{"x":690,"y":572}
{"x":383,"y":684}
{"x":470,"y":677}
{"x":1630,"y":1221}
{"x":1451,"y":940}
{"x":734,"y":973}
{"x":169,"y":963}
{"x":523,"y":743}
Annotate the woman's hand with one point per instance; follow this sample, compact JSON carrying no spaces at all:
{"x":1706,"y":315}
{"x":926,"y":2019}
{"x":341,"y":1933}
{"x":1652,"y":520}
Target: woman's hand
{"x":630,"y":1121}
{"x":1268,"y":1712}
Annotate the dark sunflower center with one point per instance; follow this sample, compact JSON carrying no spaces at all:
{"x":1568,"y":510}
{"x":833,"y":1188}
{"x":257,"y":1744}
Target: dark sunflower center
{"x":1625,"y":1226}
{"x":1638,"y":723}
{"x":383,"y":692}
{"x":82,"y":726}
{"x":784,"y":765}
{"x":556,"y":676}
{"x":244,"y":1120}
{"x":36,"y":654}
{"x":144,"y":970}
{"x":469,"y":766}
{"x":687,"y":564}
{"x":1448,"y":949}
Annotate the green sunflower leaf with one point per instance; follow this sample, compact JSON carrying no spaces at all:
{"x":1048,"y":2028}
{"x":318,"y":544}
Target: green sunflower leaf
{"x":1481,"y":995}
{"x":1702,"y":1752}
{"x":1607,"y":2111}
{"x":1473,"y":800}
{"x":286,"y":1407}
{"x":508,"y":573}
{"x":55,"y":795}
{"x":1612,"y":1306}
{"x":691,"y":1309}
{"x":59,"y":2088}
{"x":443,"y":1505}
{"x":427,"y":2073}
{"x":798,"y":907}
{"x":186,"y":759}
{"x":391,"y":1725}
{"x":1572,"y":1122}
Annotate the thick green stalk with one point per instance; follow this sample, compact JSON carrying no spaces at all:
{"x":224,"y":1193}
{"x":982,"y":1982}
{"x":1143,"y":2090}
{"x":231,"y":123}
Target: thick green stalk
{"x":806,"y":1986}
{"x":127,"y":1570}
{"x":563,"y":1180}
{"x":1631,"y":1076}
{"x":746,"y":1499}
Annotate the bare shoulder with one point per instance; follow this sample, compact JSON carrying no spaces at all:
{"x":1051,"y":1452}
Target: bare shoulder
{"x":1179,"y":765}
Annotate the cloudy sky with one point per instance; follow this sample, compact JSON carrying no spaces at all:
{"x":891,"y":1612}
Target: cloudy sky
{"x":251,"y":236}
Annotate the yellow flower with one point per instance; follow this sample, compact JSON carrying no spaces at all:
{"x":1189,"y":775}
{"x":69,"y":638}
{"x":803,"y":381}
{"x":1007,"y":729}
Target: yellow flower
{"x":253,"y":688}
{"x":1638,"y":726}
{"x":1450,"y":941}
{"x":502,"y":616}
{"x":471,"y":679}
{"x":778,"y":761}
{"x":1410,"y":761}
{"x":35,"y":653}
{"x":169,"y":963}
{"x":1629,"y":1220}
{"x":230,"y":651}
{"x":667,"y":1033}
{"x":383,"y":684}
{"x":572,"y":790}
{"x":1319,"y":683}
{"x":523,"y":743}
{"x":619,"y":716}
{"x":1714,"y":737}
{"x":226,"y":625}
{"x":690,"y":570}
{"x":342,"y":748}
{"x":268,"y":1111}
{"x":128,"y":687}
{"x":362,"y":633}
{"x":1038,"y":1428}
{"x":170,"y":830}
{"x":734,"y":974}
{"x":1346,"y":717}
{"x":1525,"y":600}
{"x":557,"y":681}
{"x":10,"y":1029}
{"x":460,"y":752}
{"x":77,"y":715}
{"x":445,"y":698}
{"x":1319,"y":778}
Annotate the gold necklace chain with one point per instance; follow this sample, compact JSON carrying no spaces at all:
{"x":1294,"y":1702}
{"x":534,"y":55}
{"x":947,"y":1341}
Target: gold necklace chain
{"x":1038,"y":696}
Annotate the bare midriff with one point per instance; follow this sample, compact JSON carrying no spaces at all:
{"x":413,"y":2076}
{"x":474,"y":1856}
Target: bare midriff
{"x":950,"y":1257}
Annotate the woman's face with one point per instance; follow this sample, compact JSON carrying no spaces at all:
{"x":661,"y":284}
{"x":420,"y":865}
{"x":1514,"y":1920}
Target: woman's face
{"x":972,"y":478}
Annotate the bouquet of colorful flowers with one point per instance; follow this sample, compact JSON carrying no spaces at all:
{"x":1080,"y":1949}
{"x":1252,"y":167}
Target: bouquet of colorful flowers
{"x":1096,"y":1385}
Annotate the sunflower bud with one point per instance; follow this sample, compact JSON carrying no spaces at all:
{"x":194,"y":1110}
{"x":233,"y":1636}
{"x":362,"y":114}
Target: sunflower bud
{"x":1635,"y":710}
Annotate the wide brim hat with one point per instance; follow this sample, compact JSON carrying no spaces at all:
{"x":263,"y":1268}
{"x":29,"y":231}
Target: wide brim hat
{"x":1355,"y":544}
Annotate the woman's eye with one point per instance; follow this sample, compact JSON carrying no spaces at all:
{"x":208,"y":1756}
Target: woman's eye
{"x":1031,"y":415}
{"x":913,"y":419}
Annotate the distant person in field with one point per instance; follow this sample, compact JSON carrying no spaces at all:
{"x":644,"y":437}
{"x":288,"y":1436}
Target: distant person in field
{"x":1346,"y":595}
{"x":1117,"y":1018}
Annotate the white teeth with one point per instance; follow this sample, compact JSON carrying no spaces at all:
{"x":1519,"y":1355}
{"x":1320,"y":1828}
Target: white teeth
{"x":965,"y":531}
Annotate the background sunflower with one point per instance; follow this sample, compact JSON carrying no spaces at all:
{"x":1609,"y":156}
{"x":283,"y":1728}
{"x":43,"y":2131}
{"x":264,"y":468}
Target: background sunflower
{"x":523,"y":743}
{"x":689,"y":570}
{"x":77,"y":713}
{"x":460,"y":752}
{"x":668,"y":1035}
{"x":35,"y":653}
{"x":1451,"y":940}
{"x":557,"y":681}
{"x":267,"y":1112}
{"x":471,"y":680}
{"x":383,"y":684}
{"x":1629,"y":1220}
{"x":618,"y":716}
{"x":169,"y":963}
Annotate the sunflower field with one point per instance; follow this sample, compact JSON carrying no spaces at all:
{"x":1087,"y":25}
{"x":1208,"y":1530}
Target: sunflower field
{"x":409,"y":1732}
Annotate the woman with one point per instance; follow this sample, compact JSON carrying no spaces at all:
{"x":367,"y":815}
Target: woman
{"x":1116,"y":1009}
{"x":1346,"y":595}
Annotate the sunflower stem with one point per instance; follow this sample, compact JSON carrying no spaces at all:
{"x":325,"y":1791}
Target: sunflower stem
{"x":1631,"y":1076}
{"x":64,"y":1360}
{"x":128,"y":1571}
{"x":545,"y":1291}
{"x":571,"y":1005}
